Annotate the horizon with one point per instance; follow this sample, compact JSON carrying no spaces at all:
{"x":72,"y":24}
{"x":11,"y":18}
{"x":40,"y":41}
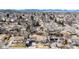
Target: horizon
{"x":39,"y":10}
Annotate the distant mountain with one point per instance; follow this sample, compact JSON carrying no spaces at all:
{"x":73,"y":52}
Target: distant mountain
{"x":37,"y":10}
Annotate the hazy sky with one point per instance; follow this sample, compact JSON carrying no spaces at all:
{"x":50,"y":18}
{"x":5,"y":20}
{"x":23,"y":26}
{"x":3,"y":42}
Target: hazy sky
{"x":39,"y":4}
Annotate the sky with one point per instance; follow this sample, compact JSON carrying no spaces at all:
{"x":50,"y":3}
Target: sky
{"x":39,"y":4}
